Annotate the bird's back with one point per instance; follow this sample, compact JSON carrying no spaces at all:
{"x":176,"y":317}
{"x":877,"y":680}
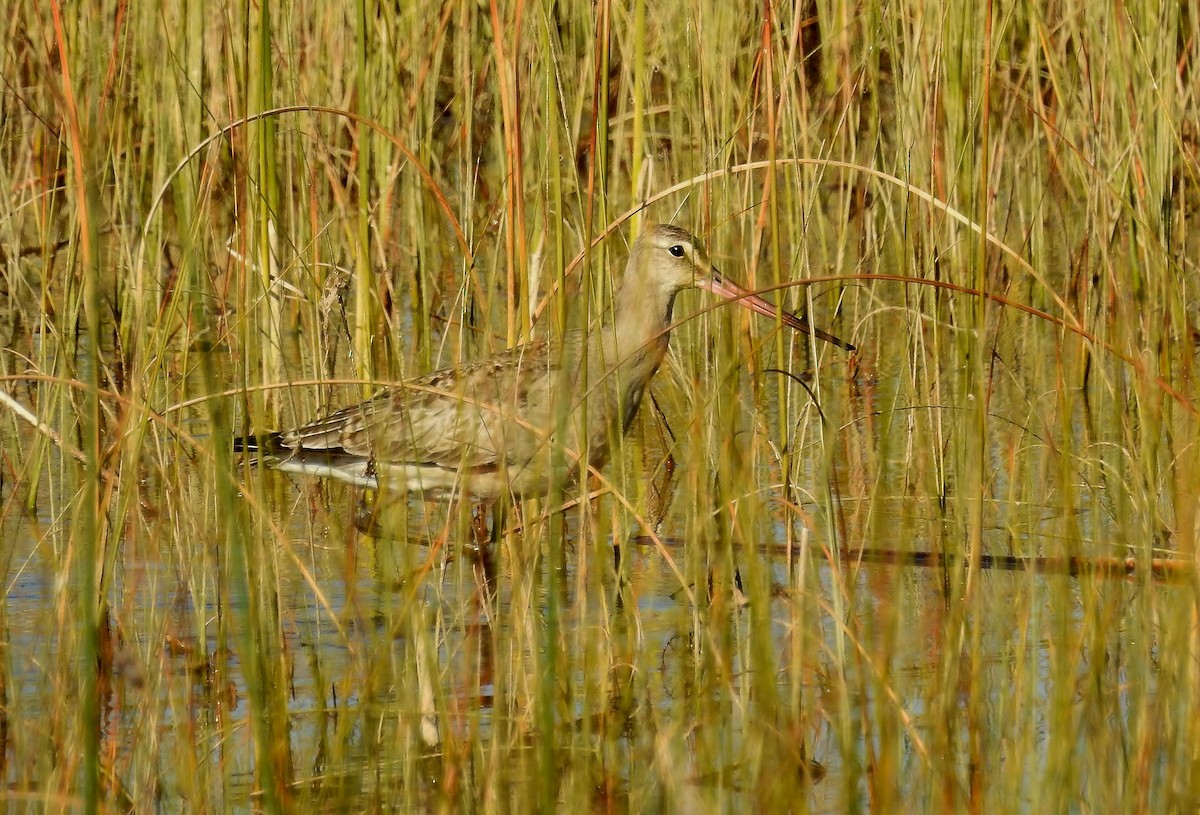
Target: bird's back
{"x":494,"y":426}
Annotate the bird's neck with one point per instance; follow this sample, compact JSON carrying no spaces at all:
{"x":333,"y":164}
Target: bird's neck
{"x":634,"y":343}
{"x":641,"y":318}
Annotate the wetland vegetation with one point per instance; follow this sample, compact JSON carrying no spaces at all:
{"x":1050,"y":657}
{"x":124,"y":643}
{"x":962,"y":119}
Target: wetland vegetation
{"x":952,"y":571}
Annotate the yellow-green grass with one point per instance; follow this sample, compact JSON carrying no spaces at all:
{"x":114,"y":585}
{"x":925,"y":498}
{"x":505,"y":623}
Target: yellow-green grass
{"x":224,"y":218}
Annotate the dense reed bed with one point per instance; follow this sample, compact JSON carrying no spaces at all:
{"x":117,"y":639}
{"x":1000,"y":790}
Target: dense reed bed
{"x":218,"y":217}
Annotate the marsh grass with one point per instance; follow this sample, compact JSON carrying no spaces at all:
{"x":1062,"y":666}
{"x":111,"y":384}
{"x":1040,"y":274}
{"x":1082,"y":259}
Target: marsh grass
{"x":216,"y":220}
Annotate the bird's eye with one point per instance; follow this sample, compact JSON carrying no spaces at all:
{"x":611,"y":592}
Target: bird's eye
{"x":677,"y":250}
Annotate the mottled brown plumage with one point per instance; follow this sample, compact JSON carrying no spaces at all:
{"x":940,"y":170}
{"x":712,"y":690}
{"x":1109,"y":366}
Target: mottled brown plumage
{"x":488,"y":428}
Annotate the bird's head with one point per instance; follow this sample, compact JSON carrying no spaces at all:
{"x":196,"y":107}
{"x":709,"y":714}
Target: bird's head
{"x":666,"y":260}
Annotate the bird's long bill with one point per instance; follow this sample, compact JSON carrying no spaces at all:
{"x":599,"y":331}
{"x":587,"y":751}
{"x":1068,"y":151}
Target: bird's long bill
{"x":723,"y":287}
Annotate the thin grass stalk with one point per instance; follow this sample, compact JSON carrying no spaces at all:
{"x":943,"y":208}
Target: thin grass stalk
{"x":763,"y":663}
{"x":241,"y":559}
{"x":596,"y":203}
{"x":48,"y":356}
{"x":242,"y":605}
{"x":640,"y":83}
{"x":978,"y":482}
{"x":364,"y":275}
{"x":557,"y":529}
{"x":508,"y":84}
{"x":88,"y":528}
{"x":93,"y":551}
{"x":264,"y":205}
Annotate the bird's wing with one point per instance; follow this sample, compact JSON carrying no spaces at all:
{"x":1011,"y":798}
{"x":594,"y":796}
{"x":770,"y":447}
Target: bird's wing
{"x":470,"y":416}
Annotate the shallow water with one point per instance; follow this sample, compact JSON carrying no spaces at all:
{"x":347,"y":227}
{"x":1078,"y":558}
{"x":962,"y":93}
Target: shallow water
{"x":639,"y":661}
{"x":714,"y":669}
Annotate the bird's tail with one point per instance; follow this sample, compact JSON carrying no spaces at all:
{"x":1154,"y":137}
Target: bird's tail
{"x":259,"y":443}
